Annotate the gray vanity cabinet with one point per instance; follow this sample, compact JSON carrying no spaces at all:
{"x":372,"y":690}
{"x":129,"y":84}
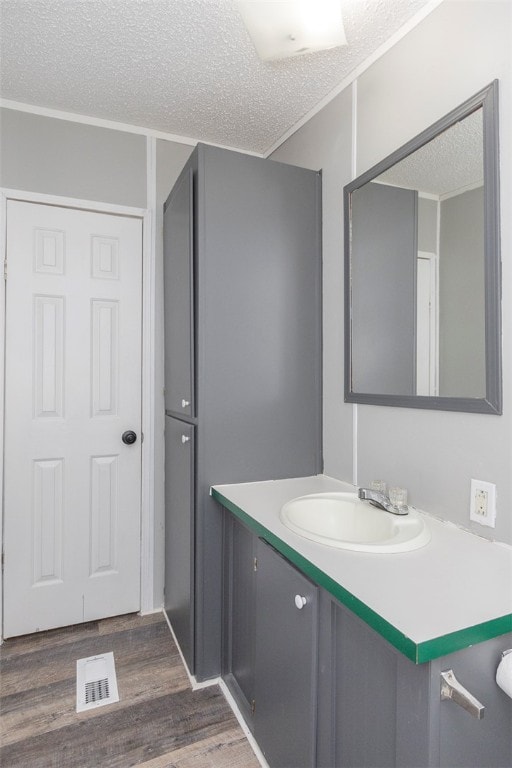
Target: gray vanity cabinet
{"x":319,"y":687}
{"x":285,"y":662}
{"x":271,"y":631}
{"x":365,"y":693}
{"x":242,"y":287}
{"x":239,"y":617}
{"x":464,"y":741}
{"x":379,"y":700}
{"x":387,"y":711}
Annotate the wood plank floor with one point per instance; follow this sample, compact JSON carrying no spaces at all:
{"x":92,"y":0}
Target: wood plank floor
{"x":159,"y":721}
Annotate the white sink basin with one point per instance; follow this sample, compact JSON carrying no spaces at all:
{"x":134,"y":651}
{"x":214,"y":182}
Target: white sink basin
{"x":343,"y":520}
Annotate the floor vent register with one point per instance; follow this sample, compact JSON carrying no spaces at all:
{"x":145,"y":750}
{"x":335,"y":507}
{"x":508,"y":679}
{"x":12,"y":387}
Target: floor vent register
{"x":96,"y":682}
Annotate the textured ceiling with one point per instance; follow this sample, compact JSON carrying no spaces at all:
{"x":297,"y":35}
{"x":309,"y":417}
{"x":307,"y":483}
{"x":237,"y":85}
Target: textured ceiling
{"x":184,"y":67}
{"x":448,"y":164}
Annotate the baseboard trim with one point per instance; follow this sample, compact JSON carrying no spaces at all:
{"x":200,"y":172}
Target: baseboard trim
{"x":236,"y":711}
{"x":195,"y":685}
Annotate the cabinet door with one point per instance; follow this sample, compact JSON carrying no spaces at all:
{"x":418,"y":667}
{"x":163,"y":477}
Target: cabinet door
{"x":179,"y":533}
{"x":241,"y":613}
{"x":285,"y":663}
{"x":179,"y":298}
{"x":365,"y":695}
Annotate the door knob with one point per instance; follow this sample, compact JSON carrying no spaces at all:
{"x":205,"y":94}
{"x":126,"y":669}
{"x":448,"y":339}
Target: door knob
{"x":300,"y":602}
{"x":129,"y":437}
{"x":185,"y":439}
{"x":185,"y":403}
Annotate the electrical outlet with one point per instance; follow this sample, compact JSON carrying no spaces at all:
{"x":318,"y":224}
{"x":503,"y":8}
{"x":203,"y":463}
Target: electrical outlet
{"x":482,"y":507}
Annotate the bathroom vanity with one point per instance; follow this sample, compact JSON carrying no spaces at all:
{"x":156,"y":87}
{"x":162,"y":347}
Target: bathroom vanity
{"x":335,"y":657}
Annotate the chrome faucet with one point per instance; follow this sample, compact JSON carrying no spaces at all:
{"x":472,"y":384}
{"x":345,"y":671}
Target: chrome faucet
{"x":381,"y":500}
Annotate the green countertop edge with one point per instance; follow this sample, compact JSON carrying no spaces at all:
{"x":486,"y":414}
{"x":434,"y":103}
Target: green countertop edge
{"x":419,"y":653}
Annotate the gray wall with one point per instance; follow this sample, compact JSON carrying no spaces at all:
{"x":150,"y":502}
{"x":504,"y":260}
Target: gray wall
{"x":459,"y":48}
{"x":58,"y":157}
{"x":427,"y":225}
{"x":462,"y":296}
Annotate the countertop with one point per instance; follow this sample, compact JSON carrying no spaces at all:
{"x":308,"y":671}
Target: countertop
{"x":450,"y":594}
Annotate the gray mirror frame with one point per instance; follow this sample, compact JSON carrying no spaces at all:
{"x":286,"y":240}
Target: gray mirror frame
{"x":487,"y":98}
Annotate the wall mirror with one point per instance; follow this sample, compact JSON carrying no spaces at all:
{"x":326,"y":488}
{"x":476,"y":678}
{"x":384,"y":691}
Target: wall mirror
{"x":422,"y":269}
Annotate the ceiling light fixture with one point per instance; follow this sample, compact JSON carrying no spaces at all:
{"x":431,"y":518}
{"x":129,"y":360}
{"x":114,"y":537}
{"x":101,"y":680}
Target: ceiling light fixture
{"x":283,"y":28}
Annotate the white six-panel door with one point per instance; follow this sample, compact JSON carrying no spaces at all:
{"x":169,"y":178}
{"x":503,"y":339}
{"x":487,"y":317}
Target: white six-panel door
{"x":73,"y":387}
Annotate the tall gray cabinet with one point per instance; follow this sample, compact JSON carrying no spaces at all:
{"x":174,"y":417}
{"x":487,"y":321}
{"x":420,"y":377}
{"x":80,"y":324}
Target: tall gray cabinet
{"x":242,"y":250}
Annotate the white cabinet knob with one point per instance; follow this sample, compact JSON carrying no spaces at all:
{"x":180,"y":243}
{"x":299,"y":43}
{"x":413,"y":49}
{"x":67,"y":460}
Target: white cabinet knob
{"x":185,"y":439}
{"x":185,"y":403}
{"x":300,"y":602}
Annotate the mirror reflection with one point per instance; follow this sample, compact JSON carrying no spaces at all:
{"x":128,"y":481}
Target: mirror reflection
{"x":419,"y":261}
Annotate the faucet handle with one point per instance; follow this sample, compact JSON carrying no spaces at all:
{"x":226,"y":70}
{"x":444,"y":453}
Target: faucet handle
{"x":398,"y":497}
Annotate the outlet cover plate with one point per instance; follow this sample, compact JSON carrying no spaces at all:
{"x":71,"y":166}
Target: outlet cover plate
{"x":482,"y":509}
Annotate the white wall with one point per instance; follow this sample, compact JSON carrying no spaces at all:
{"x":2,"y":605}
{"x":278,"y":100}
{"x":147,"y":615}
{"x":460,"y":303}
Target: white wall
{"x":459,"y":48}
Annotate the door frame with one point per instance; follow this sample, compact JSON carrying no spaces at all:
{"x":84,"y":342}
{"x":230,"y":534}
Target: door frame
{"x":433,"y":261}
{"x":148,"y":369}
